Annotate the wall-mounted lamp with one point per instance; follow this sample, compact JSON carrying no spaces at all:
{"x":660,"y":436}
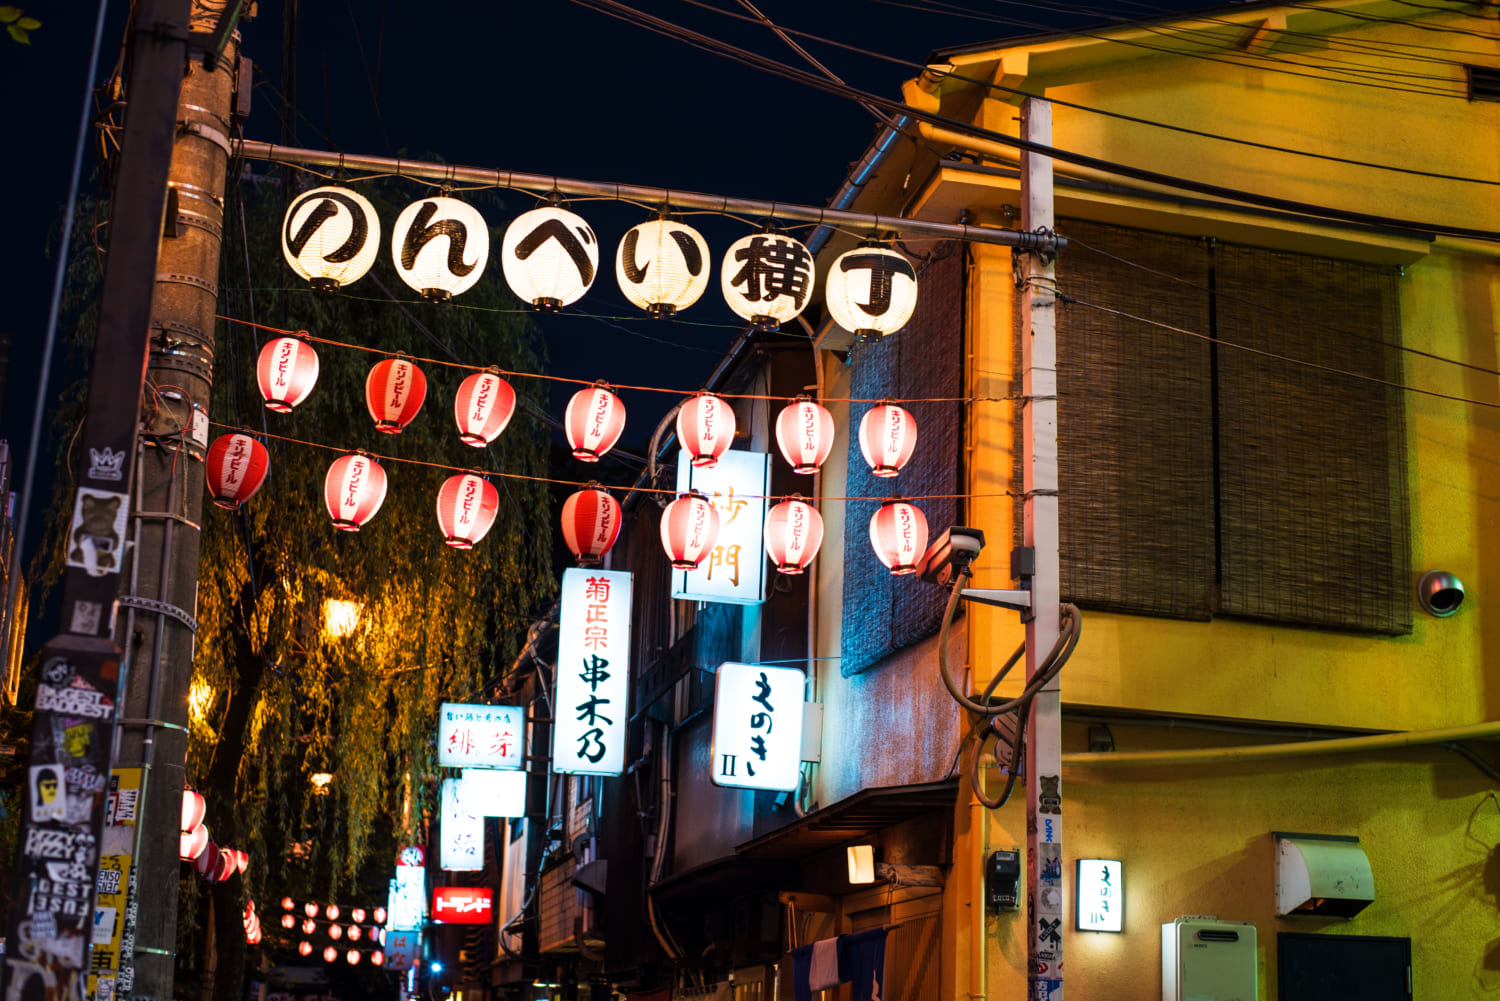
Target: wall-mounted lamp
{"x":1440,"y":592}
{"x":1099,"y":901}
{"x":861,"y":864}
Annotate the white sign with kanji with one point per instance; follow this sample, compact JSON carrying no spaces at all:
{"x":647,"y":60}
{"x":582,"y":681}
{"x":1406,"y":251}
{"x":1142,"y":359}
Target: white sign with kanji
{"x":1100,"y":900}
{"x":593,"y":673}
{"x":480,"y":736}
{"x":758,"y":726}
{"x":406,"y":907}
{"x":735,"y":572}
{"x":460,"y":830}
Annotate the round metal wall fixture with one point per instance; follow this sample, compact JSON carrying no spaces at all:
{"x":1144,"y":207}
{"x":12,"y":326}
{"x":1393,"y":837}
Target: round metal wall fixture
{"x":1440,"y":593}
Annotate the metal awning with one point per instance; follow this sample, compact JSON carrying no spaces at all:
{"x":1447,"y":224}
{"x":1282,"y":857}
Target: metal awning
{"x":850,"y":819}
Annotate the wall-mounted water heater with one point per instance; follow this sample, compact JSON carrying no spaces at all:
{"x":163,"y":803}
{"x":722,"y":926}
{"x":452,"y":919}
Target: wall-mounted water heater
{"x":1203,"y":957}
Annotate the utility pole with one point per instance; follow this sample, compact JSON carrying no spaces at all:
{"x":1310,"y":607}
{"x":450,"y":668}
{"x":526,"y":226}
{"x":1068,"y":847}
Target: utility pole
{"x":1044,"y":958}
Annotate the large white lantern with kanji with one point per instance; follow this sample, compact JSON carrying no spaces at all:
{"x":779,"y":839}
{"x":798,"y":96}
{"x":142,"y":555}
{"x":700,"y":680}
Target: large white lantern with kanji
{"x":330,"y":237}
{"x":550,"y":257}
{"x":689,"y":529}
{"x":794,"y":531}
{"x":590,"y":524}
{"x":466,"y":508}
{"x":353,"y":490}
{"x":286,"y":372}
{"x":482,"y":407}
{"x":440,"y":246}
{"x":767,"y":278}
{"x":705,"y":429}
{"x":662,"y":266}
{"x":593,"y":422}
{"x":898,"y":531}
{"x":394,"y":392}
{"x":871,"y":291}
{"x":887,"y":436}
{"x":804,"y":433}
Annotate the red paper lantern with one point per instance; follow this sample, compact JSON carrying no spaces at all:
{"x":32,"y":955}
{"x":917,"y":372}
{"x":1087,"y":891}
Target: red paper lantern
{"x":466,"y":508}
{"x":379,"y":915}
{"x":593,"y":422}
{"x":226,"y":865}
{"x":193,"y":808}
{"x":234,"y":469}
{"x":898,"y":531}
{"x":377,"y":959}
{"x":309,"y":926}
{"x":335,"y":932}
{"x":482,"y":407}
{"x":794,"y":531}
{"x":804,"y":433}
{"x":590,"y":524}
{"x":705,"y":428}
{"x":330,"y":954}
{"x":287,"y":903}
{"x":354,"y":933}
{"x":887,"y":435}
{"x":358,"y":914}
{"x":394,"y":392}
{"x":288,"y":921}
{"x":689,"y":529}
{"x":193,"y":844}
{"x":287,"y":370}
{"x":207,"y":862}
{"x":305,"y":948}
{"x":332,"y":910}
{"x":310,"y":909}
{"x":352,"y":956}
{"x":241,"y":860}
{"x":353,"y":490}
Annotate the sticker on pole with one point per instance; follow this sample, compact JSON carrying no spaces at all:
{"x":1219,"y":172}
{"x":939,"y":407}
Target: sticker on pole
{"x":96,"y":538}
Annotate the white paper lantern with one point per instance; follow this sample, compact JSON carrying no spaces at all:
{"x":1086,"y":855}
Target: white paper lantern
{"x":871,"y":291}
{"x":767,"y":278}
{"x":440,"y":246}
{"x":550,"y":257}
{"x":330,"y":237}
{"x":662,"y":266}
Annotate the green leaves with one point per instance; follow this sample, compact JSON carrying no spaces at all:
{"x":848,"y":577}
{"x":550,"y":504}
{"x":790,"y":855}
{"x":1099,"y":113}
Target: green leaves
{"x":17,"y":24}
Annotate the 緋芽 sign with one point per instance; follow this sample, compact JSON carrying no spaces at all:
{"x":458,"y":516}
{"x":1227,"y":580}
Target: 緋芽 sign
{"x":593,"y":673}
{"x":757,"y":741}
{"x":735,"y":572}
{"x":472,"y":736}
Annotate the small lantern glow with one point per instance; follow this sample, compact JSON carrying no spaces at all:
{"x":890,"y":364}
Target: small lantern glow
{"x":804,"y":433}
{"x":767,"y":278}
{"x":379,"y":915}
{"x":593,"y":422}
{"x":357,"y":915}
{"x":871,"y":291}
{"x":394,"y":392}
{"x":887,"y":436}
{"x":332,"y":912}
{"x":309,"y":926}
{"x":590,"y":524}
{"x":705,"y":428}
{"x":689,"y":529}
{"x":226,"y":865}
{"x":335,"y":932}
{"x":482,"y":407}
{"x":794,"y":531}
{"x":286,"y":371}
{"x":353,"y":490}
{"x":340,"y":618}
{"x":330,"y":237}
{"x":662,"y":266}
{"x":193,"y":808}
{"x":352,"y":956}
{"x":288,"y":921}
{"x":330,"y":954}
{"x":466,"y":508}
{"x":440,"y":246}
{"x":234,"y":469}
{"x":354,"y":933}
{"x":194,"y":844}
{"x":310,"y":909}
{"x":898,"y":531}
{"x":550,"y":257}
{"x":206,"y":864}
{"x":377,"y":959}
{"x":305,"y":948}
{"x":861,"y":863}
{"x":287,"y":903}
{"x":241,"y":860}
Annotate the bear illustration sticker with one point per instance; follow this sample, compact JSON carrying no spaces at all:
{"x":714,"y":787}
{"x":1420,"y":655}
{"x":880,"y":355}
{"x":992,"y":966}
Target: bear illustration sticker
{"x":96,"y":540}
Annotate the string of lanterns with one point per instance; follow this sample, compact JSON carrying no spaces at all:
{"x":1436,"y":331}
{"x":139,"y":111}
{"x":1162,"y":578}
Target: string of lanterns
{"x":213,"y":863}
{"x":354,"y":931}
{"x":550,"y":258}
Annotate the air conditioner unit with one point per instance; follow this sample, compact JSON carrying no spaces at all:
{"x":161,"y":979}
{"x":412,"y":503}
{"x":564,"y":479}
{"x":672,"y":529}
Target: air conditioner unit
{"x":1203,"y":957}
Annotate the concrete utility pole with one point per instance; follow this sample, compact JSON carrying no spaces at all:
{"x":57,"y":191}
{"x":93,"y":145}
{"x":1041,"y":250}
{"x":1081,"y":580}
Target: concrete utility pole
{"x":1044,"y":958}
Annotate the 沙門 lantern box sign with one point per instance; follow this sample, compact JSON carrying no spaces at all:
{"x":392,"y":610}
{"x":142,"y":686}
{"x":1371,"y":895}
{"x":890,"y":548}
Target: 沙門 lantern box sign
{"x":737,"y":485}
{"x":491,"y":792}
{"x":463,"y":905}
{"x":471,"y":736}
{"x":593,"y":673}
{"x":757,"y":740}
{"x":406,"y":907}
{"x":460,"y":830}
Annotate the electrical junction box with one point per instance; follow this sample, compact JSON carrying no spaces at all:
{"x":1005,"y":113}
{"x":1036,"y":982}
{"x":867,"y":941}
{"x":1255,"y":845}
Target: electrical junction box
{"x":1205,"y":959}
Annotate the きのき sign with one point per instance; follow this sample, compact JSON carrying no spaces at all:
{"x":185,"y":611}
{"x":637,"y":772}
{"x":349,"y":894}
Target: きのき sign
{"x":462,"y":905}
{"x":593,"y":673}
{"x":737,"y":485}
{"x":757,"y":740}
{"x":480,"y":736}
{"x":1100,"y":900}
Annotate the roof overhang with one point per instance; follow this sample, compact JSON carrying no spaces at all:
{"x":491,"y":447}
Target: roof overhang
{"x":853,"y":818}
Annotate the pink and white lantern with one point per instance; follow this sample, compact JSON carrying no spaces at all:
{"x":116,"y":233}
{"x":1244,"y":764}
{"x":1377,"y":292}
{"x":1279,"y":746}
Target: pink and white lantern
{"x":353,"y":490}
{"x":804,"y":433}
{"x":705,"y":429}
{"x":794,"y":531}
{"x":192,"y":844}
{"x":394,"y":391}
{"x":887,"y":436}
{"x":689,"y":529}
{"x":287,"y":370}
{"x":483,"y":407}
{"x":466,"y":508}
{"x":590,"y":524}
{"x":194,"y":806}
{"x":898,"y":531}
{"x":593,"y":422}
{"x":234,"y":469}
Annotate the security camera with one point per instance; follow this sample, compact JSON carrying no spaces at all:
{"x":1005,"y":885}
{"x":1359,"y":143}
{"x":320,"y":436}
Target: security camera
{"x":1440,"y":593}
{"x":951,"y":554}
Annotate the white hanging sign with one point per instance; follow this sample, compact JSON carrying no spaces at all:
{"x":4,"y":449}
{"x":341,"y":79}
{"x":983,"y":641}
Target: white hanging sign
{"x":406,"y":906}
{"x":460,"y":831}
{"x":1100,"y":900}
{"x":476,"y":736}
{"x":737,"y":485}
{"x":402,"y":949}
{"x":593,"y":673}
{"x":492,"y":792}
{"x":758,"y":726}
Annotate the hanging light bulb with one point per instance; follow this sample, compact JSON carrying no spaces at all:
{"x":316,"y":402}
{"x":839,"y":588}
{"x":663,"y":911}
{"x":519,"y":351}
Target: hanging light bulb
{"x":286,"y":371}
{"x":395,"y":390}
{"x":662,"y":266}
{"x":330,"y":237}
{"x":234,"y":469}
{"x":804,"y":433}
{"x":794,"y":531}
{"x":887,"y":436}
{"x":590,"y":524}
{"x":353,"y":491}
{"x":705,"y":428}
{"x":440,"y":246}
{"x":767,"y":278}
{"x":483,"y":407}
{"x":466,"y":508}
{"x":593,"y":422}
{"x":550,"y":257}
{"x":871,"y":291}
{"x":898,"y":531}
{"x":689,"y":529}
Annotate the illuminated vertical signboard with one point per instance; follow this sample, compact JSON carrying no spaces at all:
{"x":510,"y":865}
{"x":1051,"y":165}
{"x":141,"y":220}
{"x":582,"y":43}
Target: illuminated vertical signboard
{"x":593,"y":673}
{"x":492,"y":792}
{"x":406,"y":908}
{"x":1100,"y":900}
{"x":460,"y":831}
{"x":758,"y":726}
{"x":475,"y":736}
{"x":735,"y":572}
